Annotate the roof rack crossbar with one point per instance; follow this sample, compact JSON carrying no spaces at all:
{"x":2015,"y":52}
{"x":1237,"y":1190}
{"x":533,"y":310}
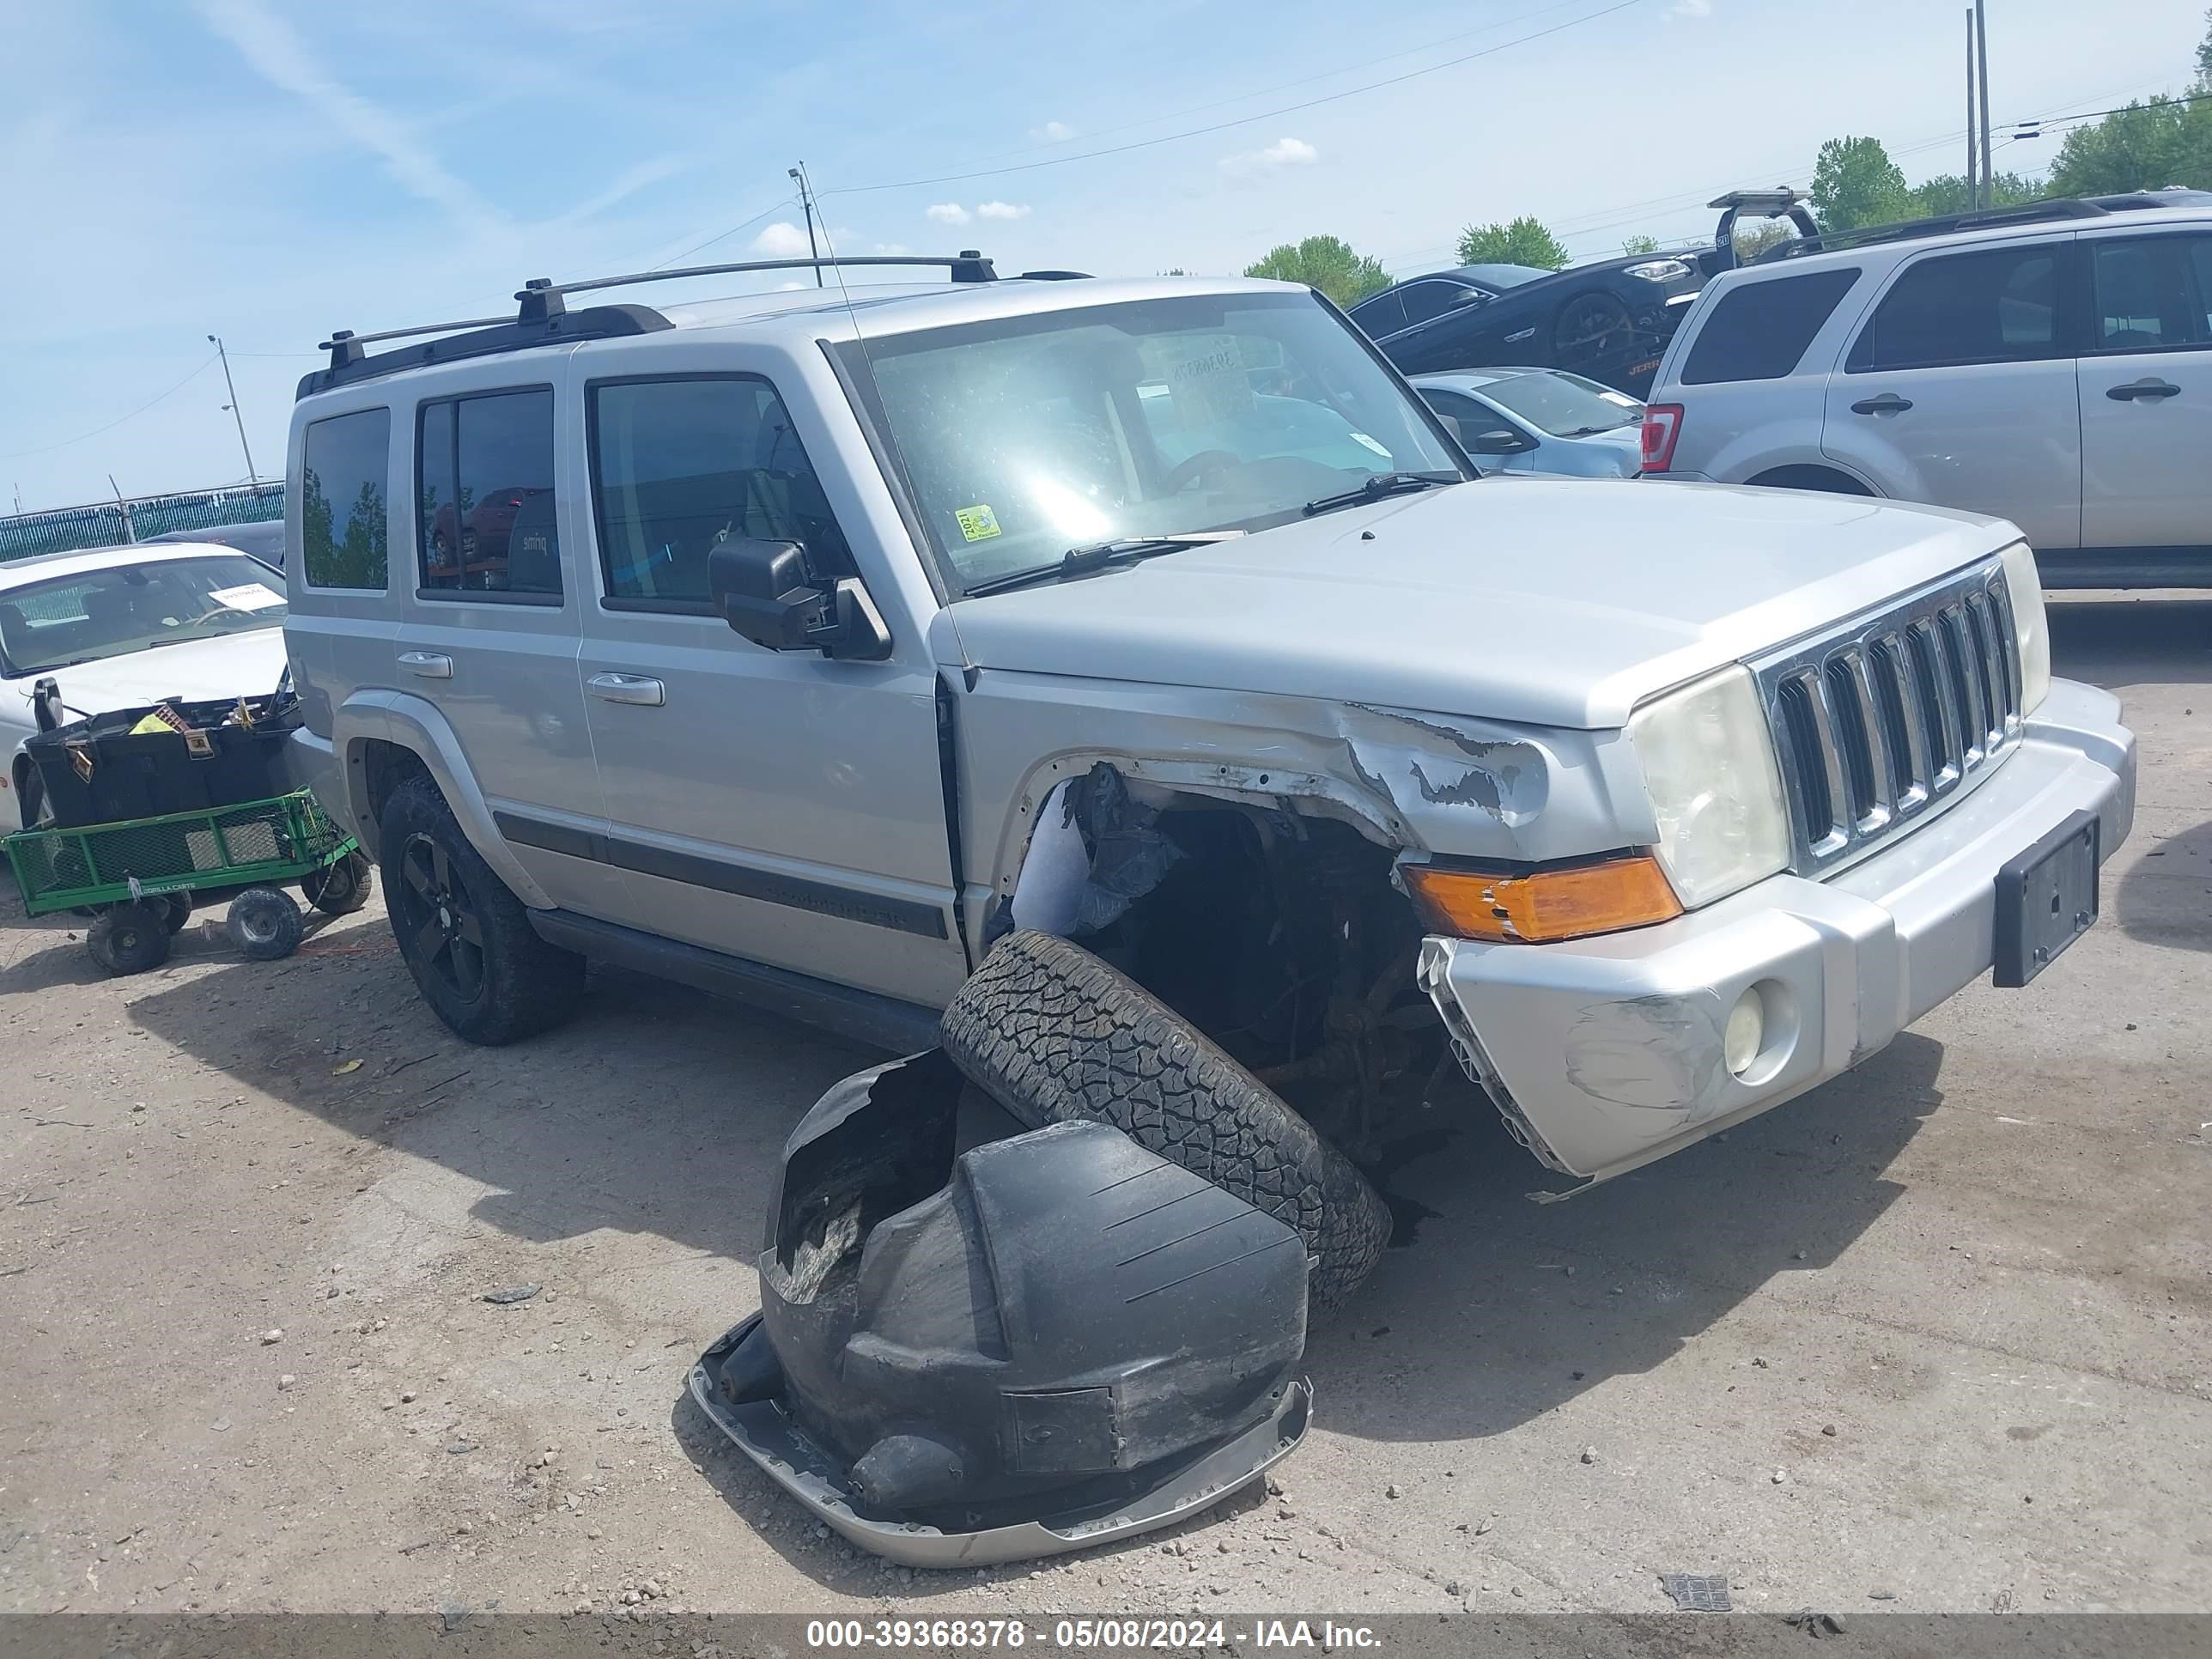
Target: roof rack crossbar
{"x":967,"y":266}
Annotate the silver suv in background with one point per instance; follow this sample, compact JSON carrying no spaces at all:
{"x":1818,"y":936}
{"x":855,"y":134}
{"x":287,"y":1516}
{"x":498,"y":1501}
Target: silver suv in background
{"x":825,"y":648}
{"x":2050,"y":364}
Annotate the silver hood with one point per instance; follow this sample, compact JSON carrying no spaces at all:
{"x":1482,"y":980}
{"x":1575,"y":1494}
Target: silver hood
{"x":1549,"y":602}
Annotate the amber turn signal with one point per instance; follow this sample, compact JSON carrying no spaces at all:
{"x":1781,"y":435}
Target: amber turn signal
{"x":1538,"y":906}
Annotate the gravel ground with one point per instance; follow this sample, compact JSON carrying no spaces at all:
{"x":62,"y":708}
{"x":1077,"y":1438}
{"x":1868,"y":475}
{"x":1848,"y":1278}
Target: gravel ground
{"x":1934,"y":1335}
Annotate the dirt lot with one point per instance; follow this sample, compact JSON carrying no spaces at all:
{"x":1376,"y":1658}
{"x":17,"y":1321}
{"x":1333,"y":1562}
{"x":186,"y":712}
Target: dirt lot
{"x":1940,"y":1332}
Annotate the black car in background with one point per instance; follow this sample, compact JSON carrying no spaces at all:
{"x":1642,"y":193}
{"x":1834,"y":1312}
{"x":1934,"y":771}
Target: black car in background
{"x":263,"y":539}
{"x":1610,"y":321}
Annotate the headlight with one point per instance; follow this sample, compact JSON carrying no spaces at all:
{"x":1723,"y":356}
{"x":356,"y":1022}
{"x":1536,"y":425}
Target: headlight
{"x":1660,"y":271}
{"x":2030,"y":633}
{"x":1710,"y":769}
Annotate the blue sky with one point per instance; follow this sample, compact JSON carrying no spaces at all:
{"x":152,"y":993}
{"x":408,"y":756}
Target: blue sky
{"x":268,"y":171}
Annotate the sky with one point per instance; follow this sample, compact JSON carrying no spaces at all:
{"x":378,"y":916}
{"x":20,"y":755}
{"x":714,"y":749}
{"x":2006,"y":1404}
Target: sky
{"x":267,"y":172}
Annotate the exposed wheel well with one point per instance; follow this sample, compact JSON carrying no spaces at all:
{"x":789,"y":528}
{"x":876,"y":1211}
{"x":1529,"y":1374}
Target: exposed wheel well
{"x":385,"y":766}
{"x":1283,"y":939}
{"x":1811,"y":477}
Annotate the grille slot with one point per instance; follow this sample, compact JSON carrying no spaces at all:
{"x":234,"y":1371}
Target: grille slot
{"x":1881,"y":721}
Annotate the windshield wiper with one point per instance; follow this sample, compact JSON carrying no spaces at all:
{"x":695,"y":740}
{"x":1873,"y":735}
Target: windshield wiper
{"x":1592,"y":431}
{"x":1097,"y":555}
{"x":1381,"y":484}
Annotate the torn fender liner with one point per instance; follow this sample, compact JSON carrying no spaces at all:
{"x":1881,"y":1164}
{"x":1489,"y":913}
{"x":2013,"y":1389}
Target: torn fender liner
{"x":1034,"y":1345}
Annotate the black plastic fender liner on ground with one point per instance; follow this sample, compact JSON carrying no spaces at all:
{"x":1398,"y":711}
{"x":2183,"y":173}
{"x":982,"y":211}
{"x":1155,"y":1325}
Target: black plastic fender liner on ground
{"x":1034,"y":1345}
{"x":1053,"y":1034}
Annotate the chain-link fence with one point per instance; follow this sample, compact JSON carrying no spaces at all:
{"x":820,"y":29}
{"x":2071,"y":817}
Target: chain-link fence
{"x":109,"y":524}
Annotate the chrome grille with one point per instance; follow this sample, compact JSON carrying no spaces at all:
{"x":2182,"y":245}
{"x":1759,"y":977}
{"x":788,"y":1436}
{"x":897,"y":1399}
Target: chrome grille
{"x":1882,"y":721}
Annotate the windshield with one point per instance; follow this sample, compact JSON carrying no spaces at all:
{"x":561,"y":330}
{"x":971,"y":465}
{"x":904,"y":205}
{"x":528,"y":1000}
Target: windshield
{"x":1024,"y":437}
{"x":1564,"y":405}
{"x":111,"y":612}
{"x":1503,"y":276}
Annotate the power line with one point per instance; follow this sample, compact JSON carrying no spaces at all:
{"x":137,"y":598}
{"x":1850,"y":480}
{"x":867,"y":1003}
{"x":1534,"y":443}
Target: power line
{"x":48,"y":449}
{"x":1242,"y":120}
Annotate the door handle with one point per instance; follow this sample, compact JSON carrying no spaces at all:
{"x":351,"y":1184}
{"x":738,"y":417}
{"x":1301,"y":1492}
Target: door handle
{"x":2149,"y":387}
{"x":431,"y":664}
{"x":639,"y":688}
{"x":1888,"y":404}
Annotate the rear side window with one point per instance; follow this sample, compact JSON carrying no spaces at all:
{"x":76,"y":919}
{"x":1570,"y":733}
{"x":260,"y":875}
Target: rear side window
{"x":344,"y":462}
{"x":1759,"y":331}
{"x":680,"y":467}
{"x":1996,"y":306}
{"x":484,"y":495}
{"x":2152,"y":295}
{"x":1383,"y":314}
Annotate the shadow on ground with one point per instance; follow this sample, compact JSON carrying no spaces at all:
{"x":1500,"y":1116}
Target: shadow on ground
{"x":2165,"y":897}
{"x":2119,"y":641}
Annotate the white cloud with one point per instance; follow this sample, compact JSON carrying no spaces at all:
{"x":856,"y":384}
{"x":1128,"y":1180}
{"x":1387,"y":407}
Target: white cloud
{"x":1002,"y":211}
{"x":783,"y":240}
{"x":1283,"y":153}
{"x":1053,"y":132}
{"x":1690,"y":9}
{"x":281,"y":58}
{"x":950,"y":213}
{"x":892,"y":249}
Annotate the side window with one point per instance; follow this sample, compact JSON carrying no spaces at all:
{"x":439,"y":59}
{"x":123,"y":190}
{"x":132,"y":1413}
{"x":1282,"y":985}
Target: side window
{"x":483,"y":486}
{"x":1472,"y":417}
{"x":1383,"y":314}
{"x":2151,"y":294}
{"x":343,"y":469}
{"x":1759,"y":330}
{"x":678,"y":466}
{"x":1995,"y":308}
{"x":1427,"y":300}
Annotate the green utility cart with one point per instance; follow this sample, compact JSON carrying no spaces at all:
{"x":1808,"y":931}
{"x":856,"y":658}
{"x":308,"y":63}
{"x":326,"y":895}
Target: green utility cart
{"x":138,"y":880}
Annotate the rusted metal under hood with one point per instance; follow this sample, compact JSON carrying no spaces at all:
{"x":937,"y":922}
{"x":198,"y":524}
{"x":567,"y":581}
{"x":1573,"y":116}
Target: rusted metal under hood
{"x":1551,"y":603}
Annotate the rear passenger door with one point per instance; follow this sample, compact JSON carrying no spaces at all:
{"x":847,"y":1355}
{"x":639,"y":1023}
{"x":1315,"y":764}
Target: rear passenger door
{"x":775,"y":806}
{"x":2146,"y":387}
{"x":491,"y":623}
{"x":1958,"y":389}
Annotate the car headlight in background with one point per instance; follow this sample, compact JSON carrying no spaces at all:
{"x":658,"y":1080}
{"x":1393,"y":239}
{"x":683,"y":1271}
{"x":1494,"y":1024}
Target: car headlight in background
{"x":1660,"y":271}
{"x":1715,"y":789}
{"x":2031,"y":630}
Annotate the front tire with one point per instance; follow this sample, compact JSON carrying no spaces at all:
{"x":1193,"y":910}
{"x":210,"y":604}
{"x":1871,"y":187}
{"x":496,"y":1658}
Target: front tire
{"x":340,"y":889}
{"x":466,"y":938}
{"x":1053,"y":1033}
{"x":128,"y":939}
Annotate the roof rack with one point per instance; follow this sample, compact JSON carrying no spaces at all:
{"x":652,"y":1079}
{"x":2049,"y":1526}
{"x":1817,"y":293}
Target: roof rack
{"x":543,"y":317}
{"x":2028,"y":213}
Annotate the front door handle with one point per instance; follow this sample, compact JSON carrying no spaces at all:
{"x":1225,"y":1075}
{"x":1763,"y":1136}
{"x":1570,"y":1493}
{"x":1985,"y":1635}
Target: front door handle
{"x":639,"y":688}
{"x":2149,"y":387}
{"x":1888,"y":404}
{"x":431,"y":664}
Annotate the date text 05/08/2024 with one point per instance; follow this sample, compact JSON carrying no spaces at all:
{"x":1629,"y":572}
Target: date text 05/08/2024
{"x":1088,"y":1634}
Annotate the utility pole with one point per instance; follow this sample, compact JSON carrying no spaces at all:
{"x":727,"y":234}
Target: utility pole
{"x":1973,"y":162}
{"x":232,"y":406}
{"x":1982,"y":81}
{"x":129,"y":530}
{"x":806,"y":205}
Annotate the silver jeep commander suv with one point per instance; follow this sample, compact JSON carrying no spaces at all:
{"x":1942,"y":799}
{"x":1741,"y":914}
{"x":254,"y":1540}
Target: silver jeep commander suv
{"x":814,"y":645}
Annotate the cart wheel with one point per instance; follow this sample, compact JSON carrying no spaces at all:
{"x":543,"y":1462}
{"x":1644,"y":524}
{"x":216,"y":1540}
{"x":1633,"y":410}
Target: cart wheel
{"x":176,"y":910}
{"x":339,"y":889}
{"x":264,"y":923}
{"x":128,"y":939}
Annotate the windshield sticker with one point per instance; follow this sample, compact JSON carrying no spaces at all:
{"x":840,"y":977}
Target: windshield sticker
{"x":1362,"y":438}
{"x":1623,"y":400}
{"x":977,"y":523}
{"x":247,"y":596}
{"x":1208,"y":379}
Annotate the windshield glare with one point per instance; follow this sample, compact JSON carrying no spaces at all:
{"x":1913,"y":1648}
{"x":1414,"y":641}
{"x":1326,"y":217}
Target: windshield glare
{"x":95,"y":614}
{"x":1024,"y":437}
{"x":1563,"y":405}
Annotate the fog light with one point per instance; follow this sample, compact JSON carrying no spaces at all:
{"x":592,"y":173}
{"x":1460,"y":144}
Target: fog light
{"x":1746,"y":1032}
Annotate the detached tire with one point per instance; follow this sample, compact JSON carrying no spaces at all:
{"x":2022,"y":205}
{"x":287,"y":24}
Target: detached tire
{"x":128,"y":939}
{"x":1053,"y":1033}
{"x":466,"y":938}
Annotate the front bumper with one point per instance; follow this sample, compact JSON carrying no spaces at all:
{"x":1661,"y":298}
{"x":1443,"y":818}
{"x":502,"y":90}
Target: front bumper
{"x":1605,"y":1054}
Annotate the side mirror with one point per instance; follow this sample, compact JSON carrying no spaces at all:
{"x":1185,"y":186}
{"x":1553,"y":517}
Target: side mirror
{"x":1498,"y":441}
{"x":765,"y":590}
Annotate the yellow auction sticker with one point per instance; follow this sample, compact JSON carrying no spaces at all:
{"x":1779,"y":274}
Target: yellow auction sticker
{"x":977,"y":523}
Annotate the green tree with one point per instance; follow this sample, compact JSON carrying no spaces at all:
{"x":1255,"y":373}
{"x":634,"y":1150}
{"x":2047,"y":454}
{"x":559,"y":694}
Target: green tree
{"x":2205,"y":55}
{"x":2142,"y":147}
{"x":1752,"y":238}
{"x":1326,"y":263}
{"x":1634,"y":245}
{"x":1855,"y":183}
{"x":1523,"y":242}
{"x":1949,"y":192}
